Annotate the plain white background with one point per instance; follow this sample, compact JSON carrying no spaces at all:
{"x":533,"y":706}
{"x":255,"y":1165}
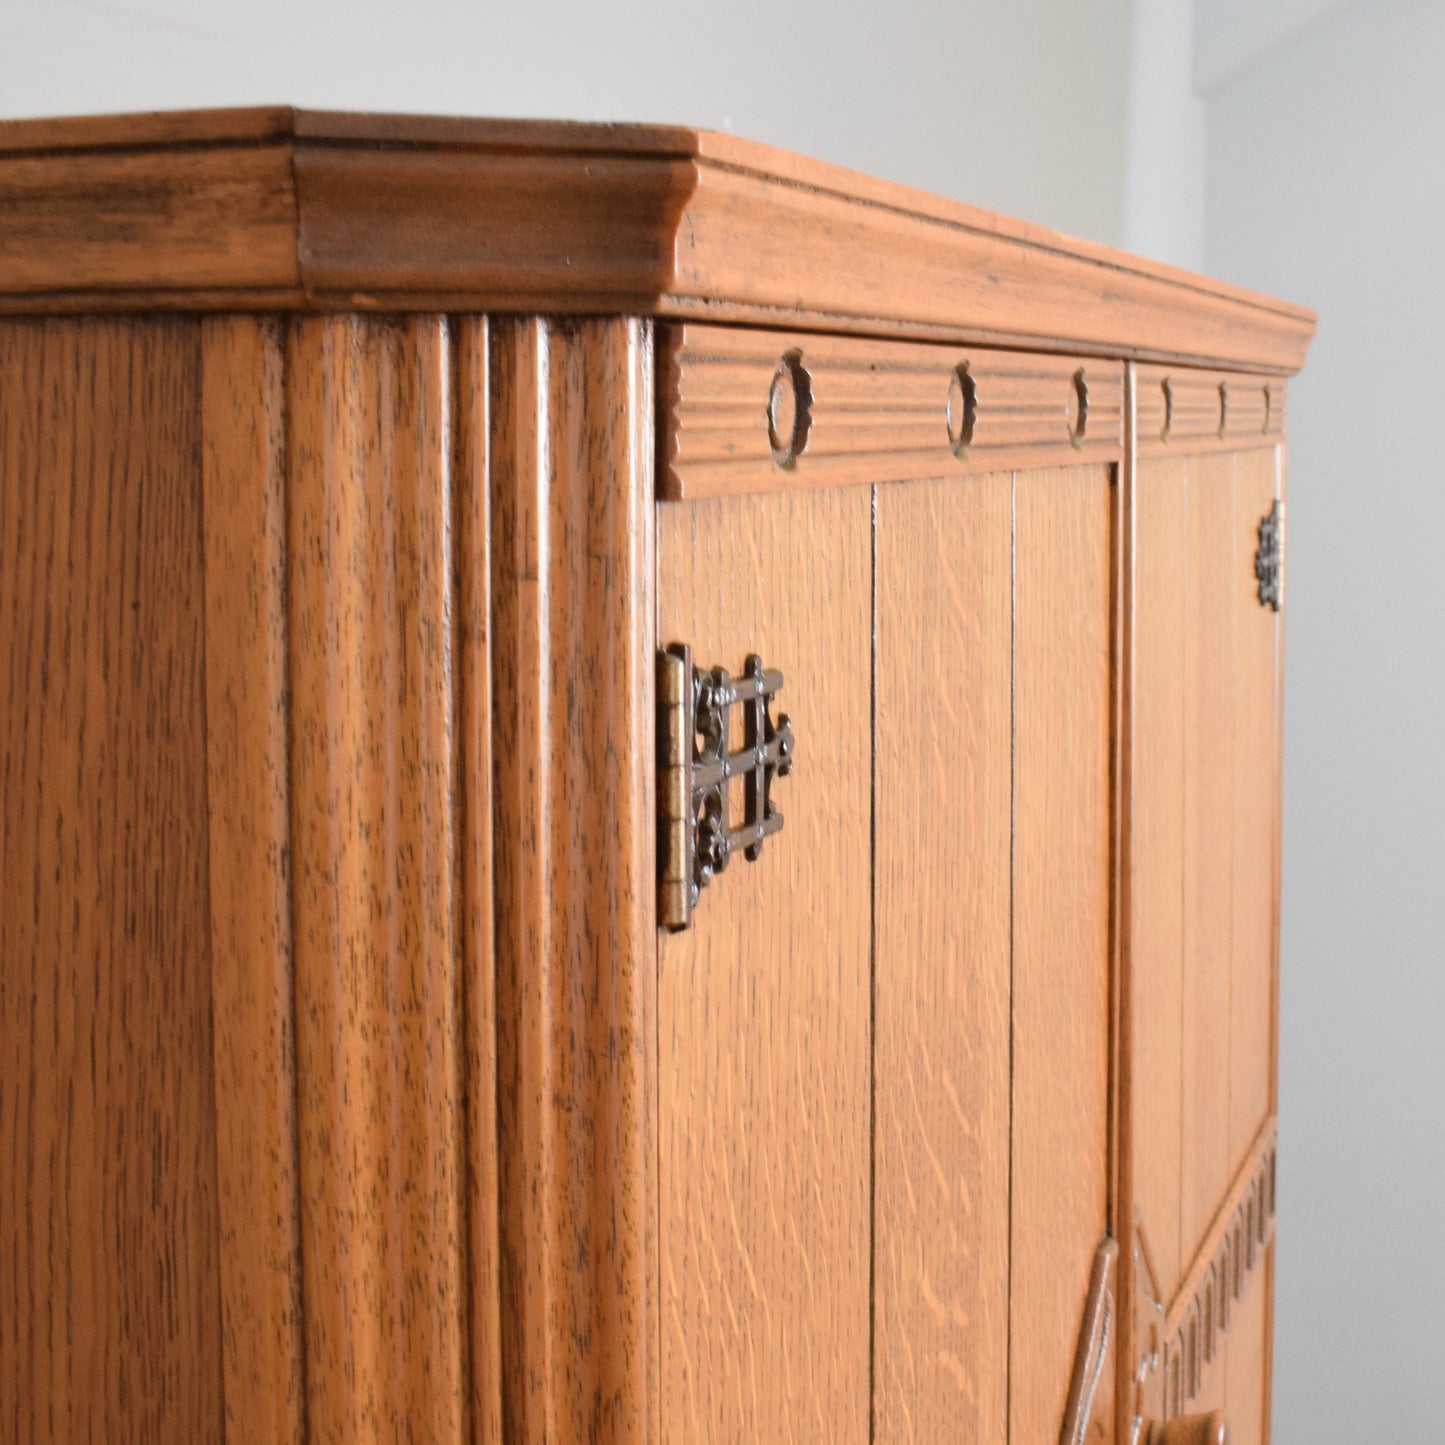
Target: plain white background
{"x":1297,"y":146}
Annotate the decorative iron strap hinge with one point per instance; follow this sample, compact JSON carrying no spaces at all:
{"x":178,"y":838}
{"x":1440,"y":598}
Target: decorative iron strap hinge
{"x":696,"y":833}
{"x":1269,"y":558}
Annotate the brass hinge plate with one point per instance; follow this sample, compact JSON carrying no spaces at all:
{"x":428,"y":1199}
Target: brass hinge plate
{"x":696,"y":831}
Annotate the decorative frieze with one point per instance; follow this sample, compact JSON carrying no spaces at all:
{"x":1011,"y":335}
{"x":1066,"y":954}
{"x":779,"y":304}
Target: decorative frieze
{"x":755,"y":411}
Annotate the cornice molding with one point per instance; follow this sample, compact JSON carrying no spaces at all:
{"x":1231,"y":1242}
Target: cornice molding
{"x":287,"y":209}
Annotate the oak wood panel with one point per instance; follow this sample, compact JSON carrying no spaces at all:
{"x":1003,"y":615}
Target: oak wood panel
{"x":473,"y":560}
{"x":374,"y":824}
{"x":1061,"y":939}
{"x":244,"y":481}
{"x":1245,"y":1399}
{"x":1156,"y":882}
{"x":96,"y":223}
{"x":420,"y":213}
{"x":763,"y":1004}
{"x":1255,"y":809}
{"x":753,"y":248}
{"x":942,"y":1013}
{"x":879,"y":411}
{"x":573,"y":829}
{"x":1199,"y":1321}
{"x":146,"y":129}
{"x":1206,"y":1163}
{"x":374,"y":219}
{"x":1191,"y":412}
{"x":109,"y":1294}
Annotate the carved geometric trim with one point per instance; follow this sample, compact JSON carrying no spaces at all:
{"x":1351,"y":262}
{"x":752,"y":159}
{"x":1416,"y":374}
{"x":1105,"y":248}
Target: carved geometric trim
{"x":877,"y":411}
{"x":1224,"y":1266}
{"x":1185,"y":411}
{"x":1089,"y":1408}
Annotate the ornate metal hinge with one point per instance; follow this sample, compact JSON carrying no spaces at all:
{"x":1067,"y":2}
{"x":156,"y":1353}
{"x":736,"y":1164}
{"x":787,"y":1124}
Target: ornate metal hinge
{"x":697,"y":834}
{"x":1269,"y":558}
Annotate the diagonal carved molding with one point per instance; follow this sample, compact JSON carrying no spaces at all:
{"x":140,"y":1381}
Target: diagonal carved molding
{"x":1176,"y":1346}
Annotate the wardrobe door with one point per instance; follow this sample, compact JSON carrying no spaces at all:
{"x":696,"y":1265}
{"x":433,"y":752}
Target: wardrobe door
{"x":764,"y":999}
{"x":941,"y":889}
{"x":1203,"y":851}
{"x":1063,"y":675}
{"x":992,"y":894}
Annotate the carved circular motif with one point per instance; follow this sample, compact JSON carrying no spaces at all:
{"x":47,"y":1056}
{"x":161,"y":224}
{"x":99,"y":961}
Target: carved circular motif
{"x":1079,"y":409}
{"x":790,"y":409}
{"x":962,"y":411}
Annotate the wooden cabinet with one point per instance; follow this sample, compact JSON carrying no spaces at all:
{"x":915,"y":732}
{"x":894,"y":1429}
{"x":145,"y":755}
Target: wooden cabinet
{"x":385,"y":1053}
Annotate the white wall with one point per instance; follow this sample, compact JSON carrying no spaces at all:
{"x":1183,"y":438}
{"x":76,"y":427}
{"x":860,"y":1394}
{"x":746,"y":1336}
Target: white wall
{"x":1232,"y":35}
{"x":1164,"y":140}
{"x":1325,"y":183}
{"x":1018,"y":107}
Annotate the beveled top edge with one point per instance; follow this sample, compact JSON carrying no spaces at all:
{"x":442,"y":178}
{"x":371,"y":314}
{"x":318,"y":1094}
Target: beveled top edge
{"x":269,"y":124}
{"x":689,"y":250}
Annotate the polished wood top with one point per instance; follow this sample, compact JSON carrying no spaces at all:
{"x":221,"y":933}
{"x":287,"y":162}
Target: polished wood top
{"x":288,"y":209}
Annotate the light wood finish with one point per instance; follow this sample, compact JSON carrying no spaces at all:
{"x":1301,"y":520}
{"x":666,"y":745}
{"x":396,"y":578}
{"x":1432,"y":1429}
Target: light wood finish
{"x":1253,"y":960}
{"x":1208,"y":665}
{"x":879,"y":411}
{"x":389,"y":212}
{"x":1219,"y":881}
{"x":374,"y":834}
{"x":763,"y":1005}
{"x":941,"y":896}
{"x":1186,"y":412}
{"x":1211,"y":1429}
{"x":1199,"y":1325}
{"x":109,"y":1293}
{"x":348,"y":1091}
{"x":1061,"y":941}
{"x":475,"y":762}
{"x":1156,"y":884}
{"x":243,"y":405}
{"x":1246,"y":1401}
{"x":573,"y":831}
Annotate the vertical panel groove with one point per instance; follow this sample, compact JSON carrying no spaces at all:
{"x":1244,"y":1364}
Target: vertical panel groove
{"x":1013,"y":823}
{"x":471,"y":441}
{"x":572,"y":451}
{"x":244,"y":481}
{"x":374,"y":824}
{"x":764,"y":1002}
{"x":110,"y":1323}
{"x":1062,"y":966}
{"x":943,"y":998}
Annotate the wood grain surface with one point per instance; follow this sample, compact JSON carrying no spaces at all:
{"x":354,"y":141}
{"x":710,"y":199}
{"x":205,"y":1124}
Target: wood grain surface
{"x":1203,"y":887}
{"x":1209,"y":832}
{"x":879,"y":411}
{"x":1156,"y":891}
{"x":1246,"y":1397}
{"x":1185,"y":411}
{"x":763,"y":1004}
{"x":1063,"y":709}
{"x":374,"y":822}
{"x":389,"y":212}
{"x":248,"y":804}
{"x":475,"y":763}
{"x":1254,"y":940}
{"x":109,"y":1297}
{"x":944,"y":627}
{"x":574,"y":837}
